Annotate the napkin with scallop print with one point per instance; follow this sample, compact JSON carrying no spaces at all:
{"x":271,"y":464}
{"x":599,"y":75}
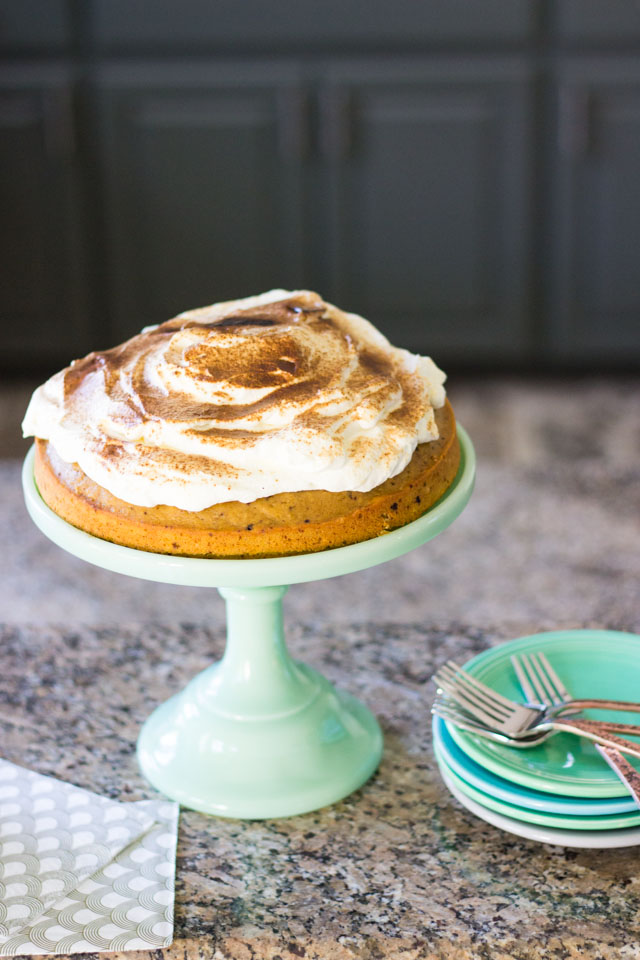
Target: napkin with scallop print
{"x":81,"y":873}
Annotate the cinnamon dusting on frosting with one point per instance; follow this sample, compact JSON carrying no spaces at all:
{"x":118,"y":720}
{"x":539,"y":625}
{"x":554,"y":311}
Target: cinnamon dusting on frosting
{"x":241,"y":400}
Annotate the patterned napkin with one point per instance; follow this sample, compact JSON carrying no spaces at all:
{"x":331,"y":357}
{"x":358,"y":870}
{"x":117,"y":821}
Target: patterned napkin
{"x":82,"y":873}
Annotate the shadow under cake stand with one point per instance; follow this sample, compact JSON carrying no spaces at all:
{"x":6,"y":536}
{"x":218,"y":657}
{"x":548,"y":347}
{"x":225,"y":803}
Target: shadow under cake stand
{"x":257,"y":734}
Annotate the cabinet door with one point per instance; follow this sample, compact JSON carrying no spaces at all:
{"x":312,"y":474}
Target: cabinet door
{"x":43,"y":309}
{"x":203,"y":170}
{"x":429,"y":202}
{"x":35,"y":24}
{"x":595,"y":233}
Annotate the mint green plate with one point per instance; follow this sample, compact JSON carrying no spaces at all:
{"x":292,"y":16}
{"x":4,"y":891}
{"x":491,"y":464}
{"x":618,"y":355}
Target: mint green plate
{"x":591,"y":663}
{"x":564,"y":822}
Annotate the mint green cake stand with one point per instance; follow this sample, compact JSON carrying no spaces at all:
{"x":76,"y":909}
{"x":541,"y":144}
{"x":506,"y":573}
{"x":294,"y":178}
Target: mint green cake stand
{"x":258,"y":734}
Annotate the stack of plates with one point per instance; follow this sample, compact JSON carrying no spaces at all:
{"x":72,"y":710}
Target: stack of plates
{"x":561,"y":791}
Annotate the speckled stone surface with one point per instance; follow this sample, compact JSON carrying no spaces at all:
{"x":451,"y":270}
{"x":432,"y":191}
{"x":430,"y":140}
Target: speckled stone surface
{"x":550,"y":540}
{"x":397,"y":870}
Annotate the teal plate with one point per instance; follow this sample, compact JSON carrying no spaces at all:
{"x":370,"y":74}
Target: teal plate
{"x":512,"y":793}
{"x":591,"y":663}
{"x":557,"y":821}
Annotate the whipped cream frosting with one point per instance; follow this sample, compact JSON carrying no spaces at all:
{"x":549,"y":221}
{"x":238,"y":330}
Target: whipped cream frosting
{"x":239,"y":400}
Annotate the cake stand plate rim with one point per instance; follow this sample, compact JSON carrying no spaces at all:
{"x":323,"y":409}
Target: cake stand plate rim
{"x":271,"y":571}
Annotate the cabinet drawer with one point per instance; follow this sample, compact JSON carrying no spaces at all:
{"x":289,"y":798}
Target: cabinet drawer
{"x":288,"y":24}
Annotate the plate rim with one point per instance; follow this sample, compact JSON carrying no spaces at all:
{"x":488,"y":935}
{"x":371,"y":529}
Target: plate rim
{"x":255,"y":572}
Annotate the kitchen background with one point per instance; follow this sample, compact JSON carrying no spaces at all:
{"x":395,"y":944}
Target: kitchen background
{"x":463,"y":173}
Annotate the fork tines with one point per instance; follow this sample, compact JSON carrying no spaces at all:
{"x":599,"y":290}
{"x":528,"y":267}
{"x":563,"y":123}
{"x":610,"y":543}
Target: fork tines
{"x":472,"y":694}
{"x":538,"y":679}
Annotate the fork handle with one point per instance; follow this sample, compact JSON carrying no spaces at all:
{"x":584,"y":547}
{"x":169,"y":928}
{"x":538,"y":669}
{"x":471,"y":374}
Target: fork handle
{"x":624,"y":705}
{"x":598,"y":732}
{"x":623,"y":769}
{"x":608,"y":726}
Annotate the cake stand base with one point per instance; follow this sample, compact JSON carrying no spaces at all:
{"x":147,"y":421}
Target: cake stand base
{"x":259,"y":735}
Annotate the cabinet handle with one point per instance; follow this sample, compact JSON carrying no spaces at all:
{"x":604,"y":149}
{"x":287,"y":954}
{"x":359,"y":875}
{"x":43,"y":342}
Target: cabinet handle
{"x":336,"y":124}
{"x":60,"y":141}
{"x":575,"y":122}
{"x":294,"y":135}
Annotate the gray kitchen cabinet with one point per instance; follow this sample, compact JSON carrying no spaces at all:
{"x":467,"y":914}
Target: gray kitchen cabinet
{"x":397,"y":189}
{"x":429,"y":213}
{"x":43,"y":312}
{"x":594,"y":241}
{"x":203,"y":173}
{"x":463,"y":174}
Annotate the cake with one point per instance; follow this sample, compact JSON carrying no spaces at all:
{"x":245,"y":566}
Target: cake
{"x":268,"y":426}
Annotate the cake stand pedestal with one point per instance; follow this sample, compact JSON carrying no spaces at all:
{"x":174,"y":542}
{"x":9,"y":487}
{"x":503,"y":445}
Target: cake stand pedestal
{"x":258,"y":734}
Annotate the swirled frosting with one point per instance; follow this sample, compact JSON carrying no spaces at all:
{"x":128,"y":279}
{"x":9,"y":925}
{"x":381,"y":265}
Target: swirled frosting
{"x":239,"y":400}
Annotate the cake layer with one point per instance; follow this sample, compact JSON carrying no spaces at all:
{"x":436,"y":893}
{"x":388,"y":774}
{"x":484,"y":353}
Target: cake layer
{"x":283,"y":524}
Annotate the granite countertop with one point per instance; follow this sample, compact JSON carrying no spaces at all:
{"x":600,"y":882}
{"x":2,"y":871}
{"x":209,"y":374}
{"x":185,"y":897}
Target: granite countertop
{"x":399,"y":869}
{"x":549,"y":541}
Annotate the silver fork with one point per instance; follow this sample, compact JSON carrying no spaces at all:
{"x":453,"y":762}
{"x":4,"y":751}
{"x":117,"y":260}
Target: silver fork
{"x":486,"y":705}
{"x":447,"y":709}
{"x":539,"y":680}
{"x":515,"y":721}
{"x":541,"y":684}
{"x":491,"y":708}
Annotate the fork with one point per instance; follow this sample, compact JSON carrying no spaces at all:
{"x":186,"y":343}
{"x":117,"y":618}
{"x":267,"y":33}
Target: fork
{"x":492,"y":708}
{"x":486,"y":705}
{"x":538,"y":679}
{"x":496,"y":713}
{"x":541,"y":684}
{"x":446,"y":708}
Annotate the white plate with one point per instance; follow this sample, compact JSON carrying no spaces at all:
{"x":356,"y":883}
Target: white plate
{"x":592,"y":839}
